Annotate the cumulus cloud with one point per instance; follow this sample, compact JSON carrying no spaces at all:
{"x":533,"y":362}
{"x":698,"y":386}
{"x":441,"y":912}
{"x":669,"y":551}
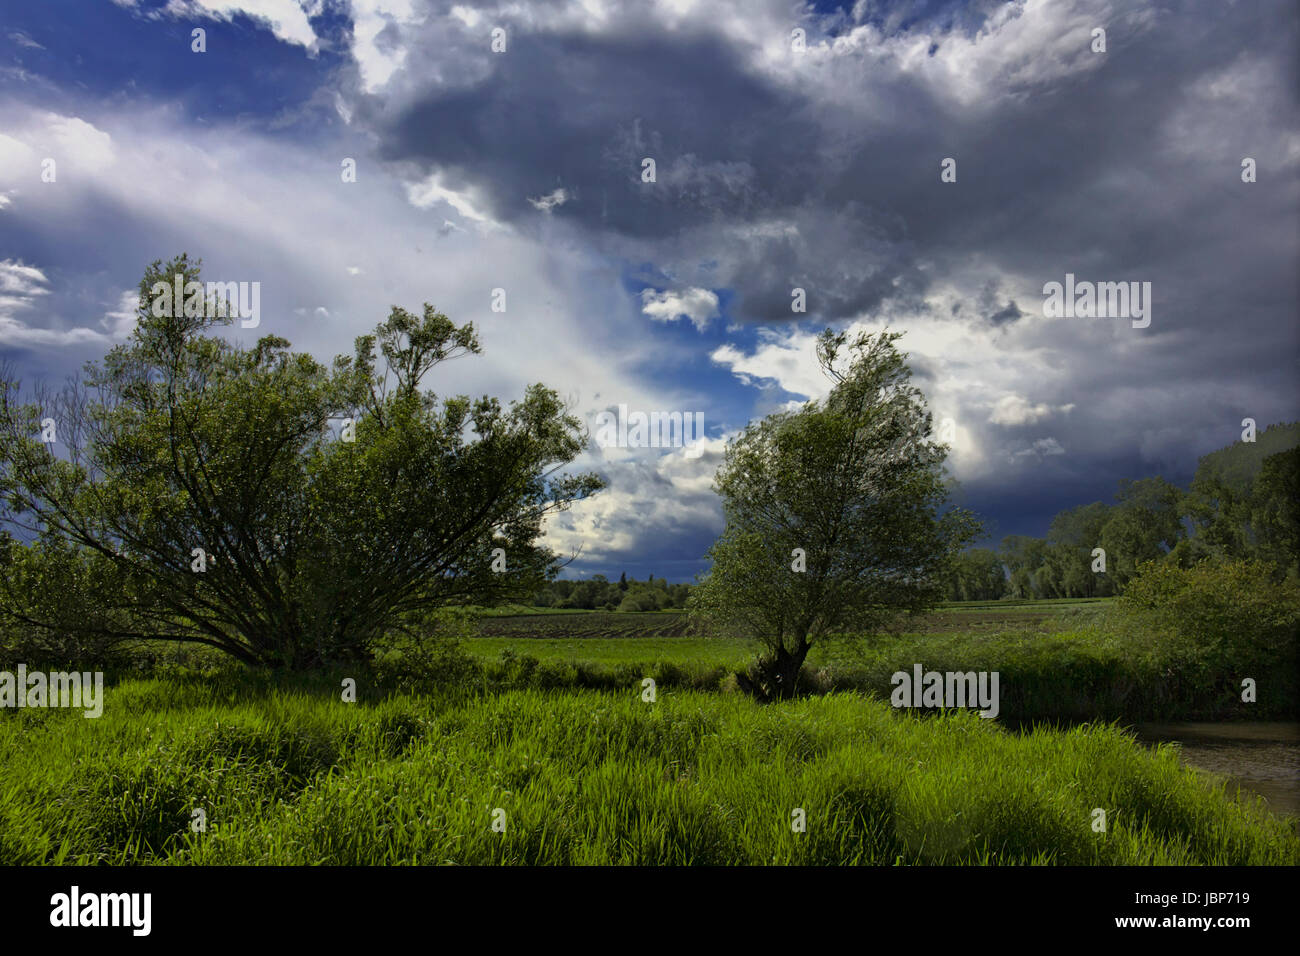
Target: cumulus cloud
{"x":657,"y":507}
{"x":431,"y":191}
{"x":21,"y":281}
{"x":377,"y":43}
{"x":697,"y":305}
{"x":21,"y":290}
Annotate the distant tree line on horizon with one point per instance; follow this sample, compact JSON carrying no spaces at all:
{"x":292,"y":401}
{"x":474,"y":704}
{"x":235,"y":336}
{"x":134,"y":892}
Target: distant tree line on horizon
{"x":598,"y":593}
{"x":1241,"y":503}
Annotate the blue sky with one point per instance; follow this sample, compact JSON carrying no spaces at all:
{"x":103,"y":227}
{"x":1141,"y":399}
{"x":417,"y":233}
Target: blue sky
{"x":776,"y":168}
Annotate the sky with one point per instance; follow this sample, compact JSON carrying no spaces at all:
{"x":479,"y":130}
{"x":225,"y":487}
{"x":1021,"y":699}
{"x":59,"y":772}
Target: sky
{"x":926,"y":167}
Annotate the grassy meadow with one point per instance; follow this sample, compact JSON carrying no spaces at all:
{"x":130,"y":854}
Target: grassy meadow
{"x":1068,"y":660}
{"x":288,"y":774}
{"x":542,"y":729}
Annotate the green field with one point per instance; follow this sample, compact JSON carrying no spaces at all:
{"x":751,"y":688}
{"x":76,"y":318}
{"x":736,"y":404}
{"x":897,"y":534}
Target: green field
{"x":1061,"y":660}
{"x":289,"y":774}
{"x":541,"y":716}
{"x":605,"y":625}
{"x":609,"y":638}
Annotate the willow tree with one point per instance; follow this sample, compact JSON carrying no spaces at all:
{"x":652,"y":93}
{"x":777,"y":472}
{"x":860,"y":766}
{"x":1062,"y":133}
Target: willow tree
{"x":257,"y":501}
{"x":836,"y":515}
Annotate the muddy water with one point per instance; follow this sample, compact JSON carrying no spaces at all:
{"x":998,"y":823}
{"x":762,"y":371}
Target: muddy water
{"x":1261,"y":758}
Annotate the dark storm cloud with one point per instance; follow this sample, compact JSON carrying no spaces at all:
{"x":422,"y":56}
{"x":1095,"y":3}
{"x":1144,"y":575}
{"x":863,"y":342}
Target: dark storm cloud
{"x":1009,"y":314}
{"x":733,"y":151}
{"x":1115,"y":166}
{"x":1067,"y":174}
{"x":823,"y":173}
{"x":582,"y":113}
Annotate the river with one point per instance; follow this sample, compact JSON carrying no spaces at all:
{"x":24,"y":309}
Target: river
{"x":1258,"y":758}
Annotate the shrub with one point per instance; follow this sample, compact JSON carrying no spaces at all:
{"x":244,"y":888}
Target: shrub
{"x":1235,"y":609}
{"x":433,"y":654}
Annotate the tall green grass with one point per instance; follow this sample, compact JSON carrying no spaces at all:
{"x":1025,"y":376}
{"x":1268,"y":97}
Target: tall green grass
{"x":289,"y":774}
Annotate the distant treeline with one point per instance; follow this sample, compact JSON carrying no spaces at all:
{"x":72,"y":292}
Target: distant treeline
{"x":1242,"y":503}
{"x":625,"y":594}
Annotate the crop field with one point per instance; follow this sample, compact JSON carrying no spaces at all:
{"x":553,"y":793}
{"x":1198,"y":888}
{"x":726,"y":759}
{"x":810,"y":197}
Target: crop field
{"x":594,"y":624}
{"x":530,"y":626}
{"x":1056,"y":659}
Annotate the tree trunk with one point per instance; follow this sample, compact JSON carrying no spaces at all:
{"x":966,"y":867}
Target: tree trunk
{"x":776,"y":676}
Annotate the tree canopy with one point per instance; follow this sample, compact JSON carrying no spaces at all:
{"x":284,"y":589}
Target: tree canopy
{"x":835,"y":517}
{"x":257,"y":501}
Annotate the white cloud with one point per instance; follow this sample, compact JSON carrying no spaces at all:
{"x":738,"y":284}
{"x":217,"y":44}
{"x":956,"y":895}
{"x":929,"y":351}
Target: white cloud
{"x":789,"y":361}
{"x":22,"y":39}
{"x":974,"y":373}
{"x":21,"y":286}
{"x":1023,"y":45}
{"x":287,"y":19}
{"x":121,"y":320}
{"x":548,"y":202}
{"x":342,"y":108}
{"x":91,"y":147}
{"x":430,"y":191}
{"x":20,"y":289}
{"x":652,"y":495}
{"x":14,"y":332}
{"x":698,"y":305}
{"x":468,"y":16}
{"x":74,"y":144}
{"x":1016,"y":410}
{"x":250,"y":200}
{"x":17,"y":279}
{"x":378,"y":59}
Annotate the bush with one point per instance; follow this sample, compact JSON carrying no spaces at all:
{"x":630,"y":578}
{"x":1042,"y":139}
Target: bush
{"x":49,"y":582}
{"x":1236,"y":609}
{"x":432,"y":654}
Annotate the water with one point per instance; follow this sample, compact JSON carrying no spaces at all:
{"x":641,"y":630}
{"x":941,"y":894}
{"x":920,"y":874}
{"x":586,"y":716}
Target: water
{"x":1261,"y":758}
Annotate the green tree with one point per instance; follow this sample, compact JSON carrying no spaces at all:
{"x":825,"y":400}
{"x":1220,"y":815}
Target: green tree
{"x":1275,"y":512}
{"x":1023,"y":556}
{"x":1144,"y":526}
{"x":977,"y":575}
{"x":202,"y":490}
{"x":834,"y":515}
{"x":1073,"y":535}
{"x":1221,"y":501}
